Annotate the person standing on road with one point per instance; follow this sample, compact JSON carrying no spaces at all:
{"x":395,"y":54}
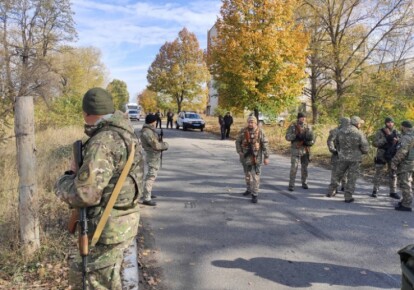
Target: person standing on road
{"x":170,"y":116}
{"x":105,"y":154}
{"x":403,"y":164}
{"x":159,"y":116}
{"x":333,"y":147}
{"x":222,"y":127}
{"x":301,"y":137}
{"x":153,"y":147}
{"x":352,"y":145}
{"x":385,"y":141}
{"x":228,"y":121}
{"x":252,"y":147}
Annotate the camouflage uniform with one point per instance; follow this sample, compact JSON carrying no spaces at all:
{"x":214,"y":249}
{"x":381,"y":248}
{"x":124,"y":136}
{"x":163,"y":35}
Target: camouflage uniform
{"x":333,"y":146}
{"x":403,"y":162}
{"x":301,"y":138}
{"x":353,"y":144}
{"x":104,"y":156}
{"x":153,"y":148}
{"x":256,"y":140}
{"x":383,"y":142}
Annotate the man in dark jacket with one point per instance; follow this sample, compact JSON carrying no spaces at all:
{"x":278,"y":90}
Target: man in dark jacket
{"x":228,"y":121}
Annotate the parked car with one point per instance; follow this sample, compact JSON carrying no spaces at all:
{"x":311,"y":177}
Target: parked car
{"x":133,"y":114}
{"x":189,"y":120}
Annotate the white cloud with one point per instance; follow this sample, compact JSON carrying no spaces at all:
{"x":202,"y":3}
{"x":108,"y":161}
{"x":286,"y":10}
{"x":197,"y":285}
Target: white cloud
{"x":129,"y":33}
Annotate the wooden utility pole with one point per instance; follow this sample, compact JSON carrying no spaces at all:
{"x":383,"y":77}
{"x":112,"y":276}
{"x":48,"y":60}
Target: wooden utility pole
{"x":26,"y":166}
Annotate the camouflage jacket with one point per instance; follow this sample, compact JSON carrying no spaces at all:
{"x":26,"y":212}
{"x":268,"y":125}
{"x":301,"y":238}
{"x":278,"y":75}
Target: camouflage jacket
{"x":383,"y":142}
{"x":352,"y":143}
{"x":332,"y":142}
{"x":301,"y":138}
{"x":404,"y":158}
{"x":252,"y":145}
{"x":104,"y":156}
{"x":150,"y":142}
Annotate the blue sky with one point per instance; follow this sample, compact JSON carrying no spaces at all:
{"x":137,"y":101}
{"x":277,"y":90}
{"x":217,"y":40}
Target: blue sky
{"x":129,"y":33}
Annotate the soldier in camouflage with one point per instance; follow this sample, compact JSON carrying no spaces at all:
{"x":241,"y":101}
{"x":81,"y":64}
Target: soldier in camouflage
{"x":301,"y":137}
{"x":385,"y":139}
{"x":403,"y":164}
{"x":333,"y":146}
{"x":104,"y":153}
{"x":153,"y":147}
{"x":352,"y":145}
{"x":252,"y":147}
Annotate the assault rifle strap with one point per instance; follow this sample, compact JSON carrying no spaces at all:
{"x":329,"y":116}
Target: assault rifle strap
{"x":113,"y":198}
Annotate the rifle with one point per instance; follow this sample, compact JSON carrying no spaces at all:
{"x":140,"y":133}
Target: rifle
{"x":160,"y":139}
{"x":78,"y":216}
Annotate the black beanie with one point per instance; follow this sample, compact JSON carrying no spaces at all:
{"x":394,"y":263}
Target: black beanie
{"x":388,"y":119}
{"x":98,"y":101}
{"x":301,"y":115}
{"x":150,"y":118}
{"x":407,"y":124}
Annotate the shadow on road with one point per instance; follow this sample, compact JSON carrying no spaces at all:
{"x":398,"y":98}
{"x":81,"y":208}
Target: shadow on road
{"x":303,"y":274}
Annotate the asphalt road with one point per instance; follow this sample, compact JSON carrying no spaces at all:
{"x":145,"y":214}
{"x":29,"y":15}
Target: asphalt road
{"x":208,"y":236}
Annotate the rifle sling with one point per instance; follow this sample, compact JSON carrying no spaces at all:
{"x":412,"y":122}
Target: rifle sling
{"x":113,"y":198}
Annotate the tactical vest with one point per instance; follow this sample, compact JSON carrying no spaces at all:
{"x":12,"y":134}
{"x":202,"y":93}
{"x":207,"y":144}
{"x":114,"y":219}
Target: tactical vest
{"x":251,"y":139}
{"x":132,"y":187}
{"x":410,"y":156}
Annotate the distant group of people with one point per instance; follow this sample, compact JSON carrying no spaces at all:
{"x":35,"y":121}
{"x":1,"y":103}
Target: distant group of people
{"x":159,"y":115}
{"x":348,"y":144}
{"x":225,"y":125}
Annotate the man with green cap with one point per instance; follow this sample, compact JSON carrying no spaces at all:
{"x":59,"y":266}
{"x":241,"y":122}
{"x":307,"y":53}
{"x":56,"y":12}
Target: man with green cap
{"x":105,"y":154}
{"x":301,"y":138}
{"x":385,"y":141}
{"x":403,"y":164}
{"x":153,"y":148}
{"x":252,"y":147}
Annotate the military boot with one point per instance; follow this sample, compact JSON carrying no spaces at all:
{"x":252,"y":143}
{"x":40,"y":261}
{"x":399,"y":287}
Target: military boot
{"x":149,"y":202}
{"x":394,"y":195}
{"x":400,"y":207}
{"x":247,"y":192}
{"x":305,"y":185}
{"x":374,"y":193}
{"x":254,"y":198}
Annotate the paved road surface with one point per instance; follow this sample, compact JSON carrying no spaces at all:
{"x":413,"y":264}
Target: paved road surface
{"x":208,"y":236}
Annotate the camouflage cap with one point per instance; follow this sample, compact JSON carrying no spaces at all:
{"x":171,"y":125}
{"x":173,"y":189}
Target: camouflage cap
{"x":355,"y":120}
{"x":407,"y":124}
{"x":252,"y":118}
{"x":301,"y":115}
{"x":98,"y":101}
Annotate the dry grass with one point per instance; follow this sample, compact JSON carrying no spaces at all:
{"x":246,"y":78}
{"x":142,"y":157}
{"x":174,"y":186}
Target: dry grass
{"x":47,"y":268}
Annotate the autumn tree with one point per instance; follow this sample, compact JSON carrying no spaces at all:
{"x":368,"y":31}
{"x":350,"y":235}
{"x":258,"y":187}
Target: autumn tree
{"x":147,"y":99}
{"x":354,"y":31}
{"x":179,"y":69}
{"x":119,"y":91}
{"x":76,"y":69}
{"x":29,"y":30}
{"x":258,"y":58}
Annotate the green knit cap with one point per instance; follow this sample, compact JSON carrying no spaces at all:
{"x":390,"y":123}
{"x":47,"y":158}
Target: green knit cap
{"x":98,"y":101}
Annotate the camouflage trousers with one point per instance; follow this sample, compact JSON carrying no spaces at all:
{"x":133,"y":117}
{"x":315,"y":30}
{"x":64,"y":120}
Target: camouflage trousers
{"x":294,"y":161}
{"x":352,"y":167}
{"x":252,"y":177}
{"x":103,"y":270}
{"x":153,"y":165}
{"x":382,"y":170}
{"x":334,"y":164}
{"x":405,"y":180}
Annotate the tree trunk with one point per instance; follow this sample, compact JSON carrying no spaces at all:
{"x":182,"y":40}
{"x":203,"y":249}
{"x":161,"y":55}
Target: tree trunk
{"x":256,"y":114}
{"x":315,"y":113}
{"x":28,"y":198}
